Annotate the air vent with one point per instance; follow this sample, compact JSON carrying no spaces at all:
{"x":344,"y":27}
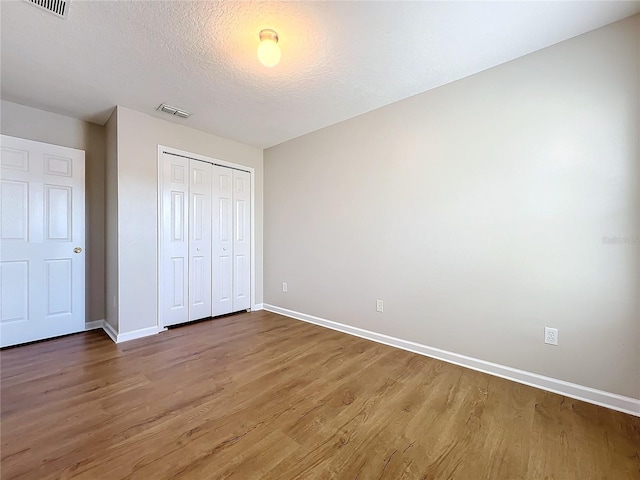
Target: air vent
{"x":57,"y":7}
{"x":173,"y":111}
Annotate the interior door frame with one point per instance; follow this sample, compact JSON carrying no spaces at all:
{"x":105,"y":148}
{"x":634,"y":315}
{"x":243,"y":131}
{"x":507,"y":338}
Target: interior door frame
{"x":175,"y":151}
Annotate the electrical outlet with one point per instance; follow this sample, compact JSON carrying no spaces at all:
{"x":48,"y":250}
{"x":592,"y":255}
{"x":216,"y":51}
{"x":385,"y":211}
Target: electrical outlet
{"x":379,"y":306}
{"x":284,"y":286}
{"x":551,"y":336}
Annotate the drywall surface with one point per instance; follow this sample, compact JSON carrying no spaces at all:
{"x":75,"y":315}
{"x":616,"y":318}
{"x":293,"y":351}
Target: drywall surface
{"x":33,"y":124}
{"x":111,"y":172}
{"x":138,"y":138}
{"x":480,"y":212}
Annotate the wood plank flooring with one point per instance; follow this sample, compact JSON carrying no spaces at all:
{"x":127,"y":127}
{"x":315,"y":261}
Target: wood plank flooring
{"x":261,"y":396}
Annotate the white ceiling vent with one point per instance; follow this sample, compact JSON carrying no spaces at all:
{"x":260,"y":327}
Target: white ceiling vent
{"x":57,"y":7}
{"x":173,"y":111}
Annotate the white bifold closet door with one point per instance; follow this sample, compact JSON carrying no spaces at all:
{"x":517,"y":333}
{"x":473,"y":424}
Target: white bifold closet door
{"x":232,"y":240}
{"x":205,"y":267}
{"x":241,"y":240}
{"x":174,"y":261}
{"x":200,"y":240}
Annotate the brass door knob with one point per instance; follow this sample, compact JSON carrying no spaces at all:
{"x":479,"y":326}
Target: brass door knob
{"x":77,"y":250}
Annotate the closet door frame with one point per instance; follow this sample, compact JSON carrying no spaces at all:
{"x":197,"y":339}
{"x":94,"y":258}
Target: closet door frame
{"x":174,"y":151}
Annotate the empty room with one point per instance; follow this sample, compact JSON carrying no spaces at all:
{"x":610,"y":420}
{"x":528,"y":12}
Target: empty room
{"x":319,"y":240}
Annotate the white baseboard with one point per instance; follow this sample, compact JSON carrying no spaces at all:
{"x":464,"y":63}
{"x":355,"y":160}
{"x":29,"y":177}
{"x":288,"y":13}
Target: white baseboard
{"x":587,"y":394}
{"x":109,"y":330}
{"x":121,"y":337}
{"x":257,"y":306}
{"x":94,"y":325}
{"x":142,"y":332}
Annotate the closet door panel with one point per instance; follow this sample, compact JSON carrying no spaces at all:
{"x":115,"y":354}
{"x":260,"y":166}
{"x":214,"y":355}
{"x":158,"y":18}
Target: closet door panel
{"x":241,"y":240}
{"x":222,"y":215}
{"x":200,"y":240}
{"x":174,"y":258}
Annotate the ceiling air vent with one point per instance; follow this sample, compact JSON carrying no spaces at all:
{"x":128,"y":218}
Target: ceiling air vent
{"x":57,"y":7}
{"x":173,"y":111}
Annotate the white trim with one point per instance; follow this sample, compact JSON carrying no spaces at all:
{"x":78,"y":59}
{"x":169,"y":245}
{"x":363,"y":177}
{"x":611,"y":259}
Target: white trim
{"x":159,"y":323}
{"x":121,"y":337}
{"x":215,"y":161}
{"x":142,"y":332}
{"x":257,"y":306}
{"x":587,"y":394}
{"x":94,"y":325}
{"x":109,"y":330}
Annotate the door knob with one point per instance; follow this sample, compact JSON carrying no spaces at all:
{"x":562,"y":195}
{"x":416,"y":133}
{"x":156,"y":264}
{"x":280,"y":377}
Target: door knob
{"x":77,"y":250}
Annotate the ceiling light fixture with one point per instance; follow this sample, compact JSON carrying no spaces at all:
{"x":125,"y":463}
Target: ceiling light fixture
{"x":268,"y":50}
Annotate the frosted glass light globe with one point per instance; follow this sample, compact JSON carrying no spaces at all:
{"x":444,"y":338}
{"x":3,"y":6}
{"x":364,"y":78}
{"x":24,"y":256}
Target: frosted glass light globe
{"x":268,"y":50}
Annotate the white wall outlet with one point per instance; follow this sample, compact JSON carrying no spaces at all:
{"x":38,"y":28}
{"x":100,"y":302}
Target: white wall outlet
{"x":379,"y":306}
{"x":284,"y":286}
{"x":551,"y":335}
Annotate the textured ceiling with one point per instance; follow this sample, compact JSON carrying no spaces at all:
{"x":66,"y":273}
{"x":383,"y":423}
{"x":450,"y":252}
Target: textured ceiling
{"x":339,"y":59}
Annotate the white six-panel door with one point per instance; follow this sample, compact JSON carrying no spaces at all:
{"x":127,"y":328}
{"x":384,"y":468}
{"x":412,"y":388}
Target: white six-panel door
{"x":42,"y":241}
{"x":200,"y":240}
{"x":174,"y":230}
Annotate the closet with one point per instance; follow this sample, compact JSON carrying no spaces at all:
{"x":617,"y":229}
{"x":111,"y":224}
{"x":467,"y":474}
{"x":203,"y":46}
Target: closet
{"x":205,"y":239}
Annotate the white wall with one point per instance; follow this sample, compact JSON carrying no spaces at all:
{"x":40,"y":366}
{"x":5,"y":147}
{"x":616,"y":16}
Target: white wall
{"x":138,"y":137}
{"x":476,"y":211}
{"x":33,"y":124}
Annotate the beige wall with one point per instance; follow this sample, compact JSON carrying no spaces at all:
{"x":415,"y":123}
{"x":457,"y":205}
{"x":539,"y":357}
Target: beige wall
{"x":111,"y":244}
{"x":33,"y":124}
{"x":138,"y":138}
{"x":476,"y":211}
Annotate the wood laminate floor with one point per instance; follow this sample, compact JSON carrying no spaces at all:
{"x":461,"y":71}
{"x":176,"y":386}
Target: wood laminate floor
{"x":261,"y":396}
